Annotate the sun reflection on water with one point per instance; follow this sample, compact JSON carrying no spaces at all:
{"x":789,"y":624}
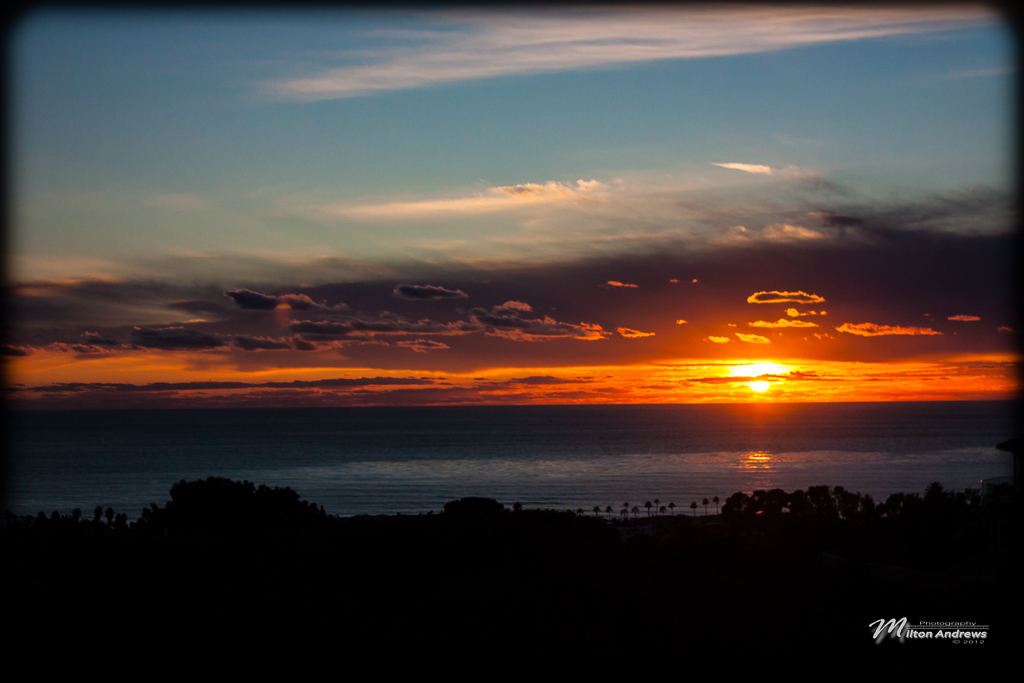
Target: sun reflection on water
{"x":756,"y":460}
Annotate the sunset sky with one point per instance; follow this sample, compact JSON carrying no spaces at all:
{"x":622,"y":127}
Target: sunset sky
{"x":481,"y":206}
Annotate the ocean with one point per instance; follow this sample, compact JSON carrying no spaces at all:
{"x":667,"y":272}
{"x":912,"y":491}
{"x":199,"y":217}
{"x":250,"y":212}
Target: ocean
{"x":358,"y":461}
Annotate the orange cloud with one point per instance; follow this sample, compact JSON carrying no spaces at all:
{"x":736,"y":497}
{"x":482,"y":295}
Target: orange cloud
{"x":616,"y":283}
{"x":777,"y":297}
{"x":633,"y":334}
{"x":719,"y":340}
{"x":793,"y":313}
{"x":873,"y":330}
{"x":753,"y":338}
{"x":783,"y":232}
{"x":782,"y":322}
{"x":681,"y":322}
{"x":963,"y":317}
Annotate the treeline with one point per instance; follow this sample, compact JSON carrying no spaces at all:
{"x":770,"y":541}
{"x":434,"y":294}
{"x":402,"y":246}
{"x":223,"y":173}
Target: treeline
{"x":232,"y":562}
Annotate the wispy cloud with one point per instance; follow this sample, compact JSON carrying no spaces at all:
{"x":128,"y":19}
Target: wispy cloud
{"x":964,"y":318}
{"x":475,"y":45}
{"x":495,"y":199}
{"x":873,"y":330}
{"x":633,"y":334}
{"x":749,"y":168}
{"x":781,"y":322}
{"x":752,"y":338}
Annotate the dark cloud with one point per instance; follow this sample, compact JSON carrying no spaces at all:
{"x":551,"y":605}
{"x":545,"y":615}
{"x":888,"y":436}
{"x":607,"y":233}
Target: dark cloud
{"x":250,"y":300}
{"x":196,"y":306}
{"x":423,"y":345}
{"x":96,"y":339}
{"x":85,"y":349}
{"x":547,"y":379}
{"x":834,"y":220}
{"x":385,"y":323}
{"x":342,"y":382}
{"x":421,"y":292}
{"x":508,"y":320}
{"x":970,"y":211}
{"x":176,"y":338}
{"x":259,"y":343}
{"x":301,"y":344}
{"x":10,"y":350}
{"x":253,"y":301}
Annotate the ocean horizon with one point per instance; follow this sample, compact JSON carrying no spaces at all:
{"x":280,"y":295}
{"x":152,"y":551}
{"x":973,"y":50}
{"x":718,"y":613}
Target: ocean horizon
{"x":411,"y":460}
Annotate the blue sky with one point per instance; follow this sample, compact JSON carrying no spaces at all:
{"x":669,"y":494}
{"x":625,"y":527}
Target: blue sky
{"x":141,"y":133}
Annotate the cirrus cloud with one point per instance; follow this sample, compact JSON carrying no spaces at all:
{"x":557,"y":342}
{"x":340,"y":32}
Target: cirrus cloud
{"x":476,"y":45}
{"x":749,"y":168}
{"x":495,"y":199}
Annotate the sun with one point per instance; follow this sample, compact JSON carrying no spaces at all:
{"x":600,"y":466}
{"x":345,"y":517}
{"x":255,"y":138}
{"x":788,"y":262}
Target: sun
{"x":759,"y":386}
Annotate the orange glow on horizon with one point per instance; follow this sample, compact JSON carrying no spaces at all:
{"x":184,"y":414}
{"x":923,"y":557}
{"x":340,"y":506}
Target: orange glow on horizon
{"x":39,"y":379}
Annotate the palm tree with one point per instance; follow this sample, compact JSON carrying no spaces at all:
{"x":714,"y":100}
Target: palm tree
{"x":597,"y":510}
{"x":648,"y":506}
{"x":716,"y":504}
{"x":672,"y":507}
{"x":706,"y":501}
{"x":693,"y":506}
{"x":635,"y":511}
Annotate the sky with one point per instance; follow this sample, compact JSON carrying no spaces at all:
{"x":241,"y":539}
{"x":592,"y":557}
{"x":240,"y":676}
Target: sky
{"x":578,"y":205}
